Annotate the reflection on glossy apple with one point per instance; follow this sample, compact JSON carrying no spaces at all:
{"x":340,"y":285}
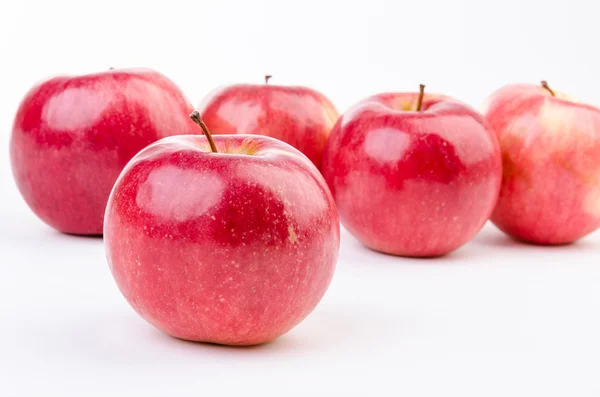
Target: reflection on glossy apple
{"x":72,"y":135}
{"x":233,"y":247}
{"x":299,"y":116}
{"x":412,"y":175}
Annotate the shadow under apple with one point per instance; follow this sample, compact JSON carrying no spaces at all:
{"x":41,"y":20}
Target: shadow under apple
{"x":494,"y":237}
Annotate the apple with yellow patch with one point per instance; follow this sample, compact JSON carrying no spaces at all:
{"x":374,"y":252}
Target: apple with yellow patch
{"x":551,"y":159}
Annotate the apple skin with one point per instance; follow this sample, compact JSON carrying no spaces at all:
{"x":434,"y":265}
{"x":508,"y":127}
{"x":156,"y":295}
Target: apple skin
{"x":413,"y":183}
{"x":551,"y":158}
{"x":299,"y":116}
{"x":72,"y":136}
{"x":235,"y":247}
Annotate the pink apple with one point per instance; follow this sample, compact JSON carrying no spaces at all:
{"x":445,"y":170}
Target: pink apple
{"x":412,"y":178}
{"x":73,"y":135}
{"x":299,"y":116}
{"x":232,"y":247}
{"x":550,"y":147}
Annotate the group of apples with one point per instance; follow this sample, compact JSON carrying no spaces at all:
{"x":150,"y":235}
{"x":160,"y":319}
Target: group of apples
{"x":233,"y":237}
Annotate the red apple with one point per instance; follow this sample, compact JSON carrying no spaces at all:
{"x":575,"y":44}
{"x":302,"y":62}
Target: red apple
{"x":72,"y":136}
{"x":412,"y":178}
{"x":299,"y":116}
{"x":550,"y":147}
{"x":234,"y":247}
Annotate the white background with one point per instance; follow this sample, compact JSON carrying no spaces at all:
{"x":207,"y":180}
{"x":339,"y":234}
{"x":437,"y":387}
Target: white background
{"x":496,"y":318}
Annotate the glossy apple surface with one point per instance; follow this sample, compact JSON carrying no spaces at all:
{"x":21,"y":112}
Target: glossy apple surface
{"x":551,"y":158}
{"x":412,"y":183}
{"x":235,"y":247}
{"x":299,"y":116}
{"x":73,"y":135}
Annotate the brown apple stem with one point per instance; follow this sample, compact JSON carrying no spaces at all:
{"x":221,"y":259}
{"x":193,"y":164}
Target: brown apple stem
{"x":547,"y":87}
{"x":421,"y":95}
{"x":267,"y":77}
{"x":195,"y":116}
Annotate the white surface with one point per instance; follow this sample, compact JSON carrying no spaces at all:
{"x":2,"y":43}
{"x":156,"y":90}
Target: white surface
{"x":496,"y":318}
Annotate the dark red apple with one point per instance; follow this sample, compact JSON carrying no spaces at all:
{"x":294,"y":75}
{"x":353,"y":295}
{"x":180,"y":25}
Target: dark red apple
{"x":551,"y":156}
{"x":413,"y":175}
{"x":299,"y":116}
{"x":232,"y":247}
{"x":72,"y":136}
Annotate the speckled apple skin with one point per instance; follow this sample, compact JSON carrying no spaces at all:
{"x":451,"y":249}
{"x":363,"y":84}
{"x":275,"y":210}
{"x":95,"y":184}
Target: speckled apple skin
{"x":551,"y":158}
{"x":226,"y":247}
{"x":413,"y":183}
{"x":72,"y":136}
{"x":299,"y":116}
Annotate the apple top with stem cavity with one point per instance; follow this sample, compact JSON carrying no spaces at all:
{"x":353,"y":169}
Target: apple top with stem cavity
{"x":413,"y":104}
{"x":558,"y":95}
{"x":563,"y":120}
{"x":524,"y":96}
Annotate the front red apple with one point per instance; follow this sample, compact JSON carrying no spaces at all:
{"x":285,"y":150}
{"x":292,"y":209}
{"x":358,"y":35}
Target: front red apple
{"x":412,"y":179}
{"x":72,"y":136}
{"x":299,"y":116}
{"x":234,"y":247}
{"x":551,"y":156}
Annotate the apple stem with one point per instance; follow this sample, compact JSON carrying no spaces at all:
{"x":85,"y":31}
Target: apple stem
{"x":421,"y":95}
{"x":195,"y":116}
{"x":267,"y":77}
{"x":547,"y":87}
